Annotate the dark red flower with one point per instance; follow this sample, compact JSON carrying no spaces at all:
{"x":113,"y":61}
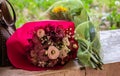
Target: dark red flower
{"x":74,"y":47}
{"x":42,"y":56}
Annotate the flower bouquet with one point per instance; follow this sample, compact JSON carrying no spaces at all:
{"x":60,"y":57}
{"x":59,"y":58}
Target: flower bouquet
{"x":85,"y":32}
{"x":42,"y":45}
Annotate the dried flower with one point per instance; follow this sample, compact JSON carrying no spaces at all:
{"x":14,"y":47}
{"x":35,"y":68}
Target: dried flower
{"x":42,"y":56}
{"x":38,"y":47}
{"x":41,"y":64}
{"x":75,"y":46}
{"x":66,"y":49}
{"x":33,"y":54}
{"x":66,"y":41}
{"x":63,"y":54}
{"x":34,"y":61}
{"x":59,"y":33}
{"x":53,"y":52}
{"x":40,"y":33}
{"x":48,"y":29}
{"x":52,"y":63}
{"x":35,"y":40}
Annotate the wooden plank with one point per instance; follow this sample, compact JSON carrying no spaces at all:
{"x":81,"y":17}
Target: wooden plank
{"x":71,"y":69}
{"x":112,"y":69}
{"x":110,"y":43}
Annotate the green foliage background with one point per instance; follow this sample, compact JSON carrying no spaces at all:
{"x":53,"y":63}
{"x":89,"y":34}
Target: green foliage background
{"x":32,"y":10}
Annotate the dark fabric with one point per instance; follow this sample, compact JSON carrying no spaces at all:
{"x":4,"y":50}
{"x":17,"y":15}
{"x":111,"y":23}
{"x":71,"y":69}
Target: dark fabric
{"x":3,"y":53}
{"x":7,"y":28}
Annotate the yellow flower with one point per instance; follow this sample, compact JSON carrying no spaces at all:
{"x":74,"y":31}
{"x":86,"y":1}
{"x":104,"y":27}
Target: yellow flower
{"x":59,"y":9}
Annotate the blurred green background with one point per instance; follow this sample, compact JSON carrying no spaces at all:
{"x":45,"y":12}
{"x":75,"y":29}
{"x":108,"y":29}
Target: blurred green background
{"x":105,"y":12}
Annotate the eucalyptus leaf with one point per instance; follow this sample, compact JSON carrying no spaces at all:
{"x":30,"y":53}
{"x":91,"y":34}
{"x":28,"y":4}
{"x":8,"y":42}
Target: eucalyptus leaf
{"x":92,"y":31}
{"x":84,"y":57}
{"x":89,"y":43}
{"x":81,"y":30}
{"x":80,"y":18}
{"x":96,"y":45}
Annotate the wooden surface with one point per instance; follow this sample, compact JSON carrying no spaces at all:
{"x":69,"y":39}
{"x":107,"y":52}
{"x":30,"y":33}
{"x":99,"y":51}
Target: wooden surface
{"x":112,"y":69}
{"x":71,"y":69}
{"x":110,"y":43}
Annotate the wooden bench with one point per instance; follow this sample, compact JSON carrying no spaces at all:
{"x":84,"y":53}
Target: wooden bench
{"x":110,"y":42}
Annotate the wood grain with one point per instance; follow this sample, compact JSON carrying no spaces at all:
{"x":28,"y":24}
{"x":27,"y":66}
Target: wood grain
{"x":71,"y":69}
{"x":112,"y":69}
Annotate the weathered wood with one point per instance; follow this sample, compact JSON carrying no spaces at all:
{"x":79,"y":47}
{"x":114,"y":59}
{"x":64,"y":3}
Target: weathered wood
{"x":110,"y":42}
{"x":71,"y":69}
{"x":112,"y":69}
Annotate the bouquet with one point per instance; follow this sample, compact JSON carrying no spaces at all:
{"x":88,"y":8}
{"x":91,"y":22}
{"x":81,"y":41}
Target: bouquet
{"x":85,"y":32}
{"x":42,"y":45}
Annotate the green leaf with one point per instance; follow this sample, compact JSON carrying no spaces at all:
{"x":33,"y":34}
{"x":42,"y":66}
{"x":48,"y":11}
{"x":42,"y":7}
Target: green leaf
{"x":83,"y":52}
{"x":88,"y":40}
{"x":94,"y":38}
{"x":84,"y":57}
{"x":80,"y":18}
{"x":92,"y":31}
{"x":81,"y":30}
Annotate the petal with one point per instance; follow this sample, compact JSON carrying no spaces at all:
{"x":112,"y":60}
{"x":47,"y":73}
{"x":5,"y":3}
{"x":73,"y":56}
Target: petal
{"x":53,"y":55}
